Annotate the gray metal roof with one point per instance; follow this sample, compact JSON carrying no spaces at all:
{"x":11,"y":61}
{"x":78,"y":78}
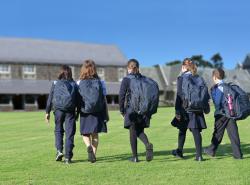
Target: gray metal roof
{"x":206,"y":73}
{"x":42,"y":87}
{"x":240,"y":77}
{"x":153,"y":73}
{"x":16,"y":50}
{"x":172,"y":72}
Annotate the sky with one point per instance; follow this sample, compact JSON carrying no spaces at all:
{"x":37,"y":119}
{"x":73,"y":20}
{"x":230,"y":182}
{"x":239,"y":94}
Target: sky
{"x":153,"y":31}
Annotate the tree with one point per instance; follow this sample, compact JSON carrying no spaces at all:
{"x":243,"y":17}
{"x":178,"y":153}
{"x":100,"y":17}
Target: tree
{"x":217,"y":61}
{"x":175,"y":62}
{"x":198,"y":59}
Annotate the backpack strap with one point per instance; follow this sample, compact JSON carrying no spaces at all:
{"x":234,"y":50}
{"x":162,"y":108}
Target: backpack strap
{"x":226,"y":86}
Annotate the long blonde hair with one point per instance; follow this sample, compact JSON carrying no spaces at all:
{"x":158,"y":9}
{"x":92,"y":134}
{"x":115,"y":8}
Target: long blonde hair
{"x":190,"y":66}
{"x":88,"y":70}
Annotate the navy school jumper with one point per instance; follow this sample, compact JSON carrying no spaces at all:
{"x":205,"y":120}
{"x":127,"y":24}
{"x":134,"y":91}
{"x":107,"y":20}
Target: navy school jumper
{"x":61,"y":117}
{"x":193,"y":120}
{"x":124,"y":100}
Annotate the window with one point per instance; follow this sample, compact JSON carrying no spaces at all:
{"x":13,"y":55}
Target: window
{"x":29,"y":99}
{"x":101,"y":73}
{"x":5,"y":71}
{"x":122,"y":72}
{"x":112,"y":99}
{"x":4,"y":99}
{"x":29,"y":72}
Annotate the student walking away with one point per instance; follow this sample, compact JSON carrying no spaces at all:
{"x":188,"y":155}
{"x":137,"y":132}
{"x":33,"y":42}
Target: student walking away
{"x":231,"y":104}
{"x":138,"y":100}
{"x":192,"y":101}
{"x":63,"y":98}
{"x":93,"y":105}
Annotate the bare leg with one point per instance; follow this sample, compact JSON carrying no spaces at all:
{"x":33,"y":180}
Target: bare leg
{"x":95,"y":142}
{"x":86,"y":140}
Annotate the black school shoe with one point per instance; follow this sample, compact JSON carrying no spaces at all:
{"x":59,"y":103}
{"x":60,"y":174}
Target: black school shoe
{"x":199,"y":158}
{"x":91,"y":155}
{"x":149,"y":152}
{"x":134,"y":159}
{"x":67,"y":161}
{"x":177,"y":153}
{"x":59,"y":156}
{"x":209,"y":152}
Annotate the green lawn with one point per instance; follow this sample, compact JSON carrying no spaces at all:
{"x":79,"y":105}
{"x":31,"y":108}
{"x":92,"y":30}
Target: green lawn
{"x":27,"y":155}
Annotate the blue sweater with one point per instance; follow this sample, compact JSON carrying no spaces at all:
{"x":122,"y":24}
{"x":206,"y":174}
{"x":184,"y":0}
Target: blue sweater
{"x":218,"y":96}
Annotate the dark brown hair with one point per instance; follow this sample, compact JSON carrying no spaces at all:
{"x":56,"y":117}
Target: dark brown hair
{"x":190,"y":65}
{"x":133,"y":64}
{"x":219,"y":73}
{"x":88,"y":70}
{"x":65,"y":73}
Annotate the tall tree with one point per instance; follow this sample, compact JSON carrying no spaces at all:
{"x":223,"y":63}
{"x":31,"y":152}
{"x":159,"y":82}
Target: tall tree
{"x":172,"y":63}
{"x":217,"y":60}
{"x":201,"y":62}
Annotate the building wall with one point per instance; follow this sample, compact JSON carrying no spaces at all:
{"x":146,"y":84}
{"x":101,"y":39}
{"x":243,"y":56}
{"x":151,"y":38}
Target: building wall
{"x":16,"y":71}
{"x":50,"y":72}
{"x":77,"y":70}
{"x":111,"y":74}
{"x":47,"y":72}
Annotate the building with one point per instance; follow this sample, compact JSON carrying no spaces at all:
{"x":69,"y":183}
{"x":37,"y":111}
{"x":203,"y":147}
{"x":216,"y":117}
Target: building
{"x":166,"y":76}
{"x":28,"y":67}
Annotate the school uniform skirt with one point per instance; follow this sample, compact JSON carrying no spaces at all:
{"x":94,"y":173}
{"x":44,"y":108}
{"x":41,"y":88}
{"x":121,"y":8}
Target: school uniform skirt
{"x":197,"y":121}
{"x":132,"y":119}
{"x":92,"y":123}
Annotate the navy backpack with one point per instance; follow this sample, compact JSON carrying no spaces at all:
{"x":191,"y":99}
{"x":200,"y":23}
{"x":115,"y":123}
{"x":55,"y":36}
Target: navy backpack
{"x":92,"y":96}
{"x":65,"y":95}
{"x":144,"y":96}
{"x":195,"y":94}
{"x":241,"y":103}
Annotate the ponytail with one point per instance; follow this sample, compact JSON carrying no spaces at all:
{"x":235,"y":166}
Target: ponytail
{"x":190,"y":66}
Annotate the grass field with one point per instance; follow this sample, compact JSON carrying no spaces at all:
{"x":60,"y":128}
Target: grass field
{"x":27,"y":155}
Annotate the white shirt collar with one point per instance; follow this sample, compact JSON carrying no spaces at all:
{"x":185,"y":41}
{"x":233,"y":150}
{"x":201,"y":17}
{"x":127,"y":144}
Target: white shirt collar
{"x":220,"y":82}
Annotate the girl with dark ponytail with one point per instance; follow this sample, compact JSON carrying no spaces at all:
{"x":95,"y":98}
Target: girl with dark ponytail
{"x":134,"y":122}
{"x":184,"y":119}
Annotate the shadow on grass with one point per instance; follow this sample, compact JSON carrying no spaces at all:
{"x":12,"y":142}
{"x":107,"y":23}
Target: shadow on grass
{"x":224,"y":151}
{"x":165,"y":156}
{"x":79,"y":161}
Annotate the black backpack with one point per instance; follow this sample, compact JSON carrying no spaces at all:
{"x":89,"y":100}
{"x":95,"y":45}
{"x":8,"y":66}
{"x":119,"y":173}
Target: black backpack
{"x":65,"y":95}
{"x":144,"y":95}
{"x":195,"y":94}
{"x":92,"y":96}
{"x":241,"y":103}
